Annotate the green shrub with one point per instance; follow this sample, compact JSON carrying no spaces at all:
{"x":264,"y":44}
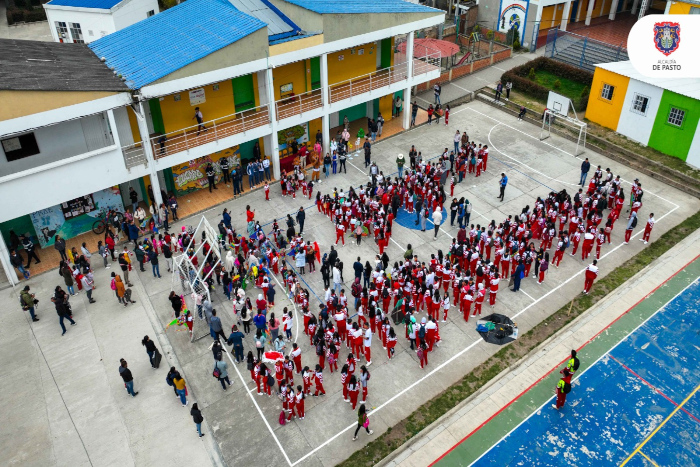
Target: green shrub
{"x":557,"y":85}
{"x":21,"y":4}
{"x":516,"y":43}
{"x":531,"y":74}
{"x":585,"y":92}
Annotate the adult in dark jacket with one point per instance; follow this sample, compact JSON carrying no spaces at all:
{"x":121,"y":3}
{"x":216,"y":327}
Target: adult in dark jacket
{"x":140,"y":255}
{"x":153,"y":258}
{"x":217,"y":329}
{"x":197,"y":418}
{"x":133,"y":232}
{"x":301,"y":217}
{"x":126,"y":375}
{"x":176,"y":303}
{"x":585,"y":167}
{"x":60,"y":245}
{"x":151,"y":350}
{"x":60,"y":301}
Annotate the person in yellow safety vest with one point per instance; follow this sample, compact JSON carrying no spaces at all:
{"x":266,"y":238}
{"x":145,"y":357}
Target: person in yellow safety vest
{"x":573,"y":363}
{"x":563,"y":388}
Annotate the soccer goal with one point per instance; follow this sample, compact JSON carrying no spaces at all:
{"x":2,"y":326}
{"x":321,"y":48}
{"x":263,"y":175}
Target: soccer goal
{"x":557,"y":113}
{"x":188,"y":279}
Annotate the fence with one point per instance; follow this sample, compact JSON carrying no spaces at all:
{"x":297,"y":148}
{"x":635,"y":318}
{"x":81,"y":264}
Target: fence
{"x":366,"y":83}
{"x":581,"y":51}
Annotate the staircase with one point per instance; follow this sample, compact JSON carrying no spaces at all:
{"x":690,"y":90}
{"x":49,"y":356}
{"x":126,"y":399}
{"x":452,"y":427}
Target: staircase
{"x":582,"y":52}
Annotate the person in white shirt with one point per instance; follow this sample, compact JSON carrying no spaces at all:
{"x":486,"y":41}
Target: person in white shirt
{"x":368,"y":344}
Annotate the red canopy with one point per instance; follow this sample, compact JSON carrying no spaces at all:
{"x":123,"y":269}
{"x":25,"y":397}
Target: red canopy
{"x":422,"y":47}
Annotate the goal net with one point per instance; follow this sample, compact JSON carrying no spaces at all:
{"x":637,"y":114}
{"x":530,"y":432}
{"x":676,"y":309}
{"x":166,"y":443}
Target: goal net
{"x":191,"y":278}
{"x":571,"y":126}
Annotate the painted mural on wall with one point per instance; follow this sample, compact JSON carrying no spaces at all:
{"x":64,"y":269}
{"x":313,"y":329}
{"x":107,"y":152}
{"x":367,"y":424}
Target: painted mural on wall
{"x":299,"y":133}
{"x":74,"y":217}
{"x":513,"y":14}
{"x":190,"y":176}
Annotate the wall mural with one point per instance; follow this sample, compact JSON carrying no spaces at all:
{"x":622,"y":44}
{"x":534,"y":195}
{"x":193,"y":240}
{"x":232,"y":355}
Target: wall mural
{"x":512,"y":16}
{"x":190,"y":176}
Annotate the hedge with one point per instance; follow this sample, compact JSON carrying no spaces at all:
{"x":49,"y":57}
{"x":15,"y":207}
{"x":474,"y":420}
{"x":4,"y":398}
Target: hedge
{"x":16,"y":15}
{"x":518,"y":76}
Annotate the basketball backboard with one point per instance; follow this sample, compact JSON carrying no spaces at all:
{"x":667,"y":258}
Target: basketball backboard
{"x":558,"y":104}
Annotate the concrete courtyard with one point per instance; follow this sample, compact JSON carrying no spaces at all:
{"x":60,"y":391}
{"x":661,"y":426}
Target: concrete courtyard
{"x":65,"y":404}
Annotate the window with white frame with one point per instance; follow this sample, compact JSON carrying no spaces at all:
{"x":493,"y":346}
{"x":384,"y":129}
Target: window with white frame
{"x":76,"y":33}
{"x":640,"y":104}
{"x":676,"y":116}
{"x":61,"y":30}
{"x":607,"y":92}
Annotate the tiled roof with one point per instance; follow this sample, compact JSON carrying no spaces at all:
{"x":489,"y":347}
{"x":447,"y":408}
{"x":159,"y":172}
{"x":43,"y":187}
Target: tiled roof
{"x":99,"y":4}
{"x":362,"y":6}
{"x":157,"y":46}
{"x":50,"y":66}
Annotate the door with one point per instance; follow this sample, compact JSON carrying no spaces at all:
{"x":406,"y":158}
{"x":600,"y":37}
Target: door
{"x":121,"y":118}
{"x":96,"y":132}
{"x":574,"y":9}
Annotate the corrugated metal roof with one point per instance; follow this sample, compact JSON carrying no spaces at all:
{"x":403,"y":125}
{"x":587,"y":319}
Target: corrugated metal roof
{"x":157,"y":46}
{"x":98,"y":4}
{"x":292,"y":38}
{"x":276,"y":24}
{"x":50,"y":66}
{"x":362,"y":6}
{"x":688,"y":87}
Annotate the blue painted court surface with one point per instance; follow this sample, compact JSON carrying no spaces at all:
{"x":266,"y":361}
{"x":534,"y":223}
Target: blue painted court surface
{"x":408,"y":220}
{"x":639,"y":405}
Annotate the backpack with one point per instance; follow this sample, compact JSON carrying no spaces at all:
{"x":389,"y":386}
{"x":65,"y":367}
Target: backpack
{"x":482,"y":328}
{"x":469,"y":208}
{"x":283,"y":418}
{"x":216,"y":373}
{"x":113,"y":285}
{"x":244,"y":313}
{"x":356,"y":289}
{"x":319,"y":349}
{"x":634,"y":222}
{"x":421,"y":331}
{"x":567,"y":388}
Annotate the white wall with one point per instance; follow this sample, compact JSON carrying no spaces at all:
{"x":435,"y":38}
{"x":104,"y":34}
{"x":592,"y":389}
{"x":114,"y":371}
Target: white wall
{"x":100,"y":22}
{"x":632,"y":124}
{"x":133,"y":12}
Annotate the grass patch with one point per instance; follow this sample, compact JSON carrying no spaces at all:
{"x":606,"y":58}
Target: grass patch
{"x":506,"y":356}
{"x":568,"y":88}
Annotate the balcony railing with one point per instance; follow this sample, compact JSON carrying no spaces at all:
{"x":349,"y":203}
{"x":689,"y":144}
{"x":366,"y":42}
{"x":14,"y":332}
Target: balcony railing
{"x":134,"y":155}
{"x":222,"y":127}
{"x":298,"y":104}
{"x":427,"y":63}
{"x":366,"y":83}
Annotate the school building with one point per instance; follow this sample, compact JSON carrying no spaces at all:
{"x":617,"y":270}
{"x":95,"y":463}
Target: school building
{"x":81,"y":124}
{"x":660,"y":113}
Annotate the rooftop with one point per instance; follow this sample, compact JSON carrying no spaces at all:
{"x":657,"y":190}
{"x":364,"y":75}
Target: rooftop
{"x":97,"y":4}
{"x":362,"y":6}
{"x":157,"y":46}
{"x":688,"y":87}
{"x":279,"y":26}
{"x":50,"y":66}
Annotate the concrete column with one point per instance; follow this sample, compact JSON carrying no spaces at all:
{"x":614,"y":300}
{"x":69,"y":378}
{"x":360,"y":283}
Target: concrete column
{"x":5,"y":261}
{"x":409,"y":77}
{"x":589,"y":13}
{"x":272,"y":149}
{"x":155,"y":184}
{"x":668,"y":7}
{"x":565,"y":16}
{"x":613,"y":9}
{"x":538,"y":16}
{"x":634,"y":7}
{"x":325,"y":93}
{"x":113,"y":127}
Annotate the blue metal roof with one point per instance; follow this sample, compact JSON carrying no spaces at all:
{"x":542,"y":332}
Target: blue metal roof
{"x":99,"y":4}
{"x":361,"y":6}
{"x":157,"y":46}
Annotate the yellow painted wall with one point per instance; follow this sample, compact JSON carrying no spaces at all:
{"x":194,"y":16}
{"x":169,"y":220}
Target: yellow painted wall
{"x":294,"y":73}
{"x":583,"y":9}
{"x":679,"y":8}
{"x":597,"y":9}
{"x":547,"y":17}
{"x":602,"y":111}
{"x":314,"y":126}
{"x":558,"y":14}
{"x":606,"y":8}
{"x":352,"y":64}
{"x":134,"y":124}
{"x":178,"y":114}
{"x":21,"y":103}
{"x":298,"y":44}
{"x":385,"y":104}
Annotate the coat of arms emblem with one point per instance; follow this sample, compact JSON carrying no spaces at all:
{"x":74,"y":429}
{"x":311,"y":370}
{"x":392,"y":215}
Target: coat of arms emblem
{"x":667,"y":37}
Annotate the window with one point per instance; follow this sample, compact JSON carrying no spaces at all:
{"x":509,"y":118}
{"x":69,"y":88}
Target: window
{"x":607,"y":93}
{"x":150,"y":13}
{"x":61,"y":30}
{"x":640,"y":104}
{"x":76,"y":33}
{"x":676,"y":116}
{"x":694,"y":10}
{"x":20,"y":146}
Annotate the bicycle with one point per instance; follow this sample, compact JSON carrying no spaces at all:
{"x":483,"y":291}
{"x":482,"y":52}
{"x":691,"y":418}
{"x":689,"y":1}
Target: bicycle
{"x":104,"y":219}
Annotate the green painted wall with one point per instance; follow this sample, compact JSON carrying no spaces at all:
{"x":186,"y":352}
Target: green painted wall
{"x":387,"y":53}
{"x":375,"y":109}
{"x":670,"y":139}
{"x":156,"y":116}
{"x":355,"y":112}
{"x":315,"y":72}
{"x":243,"y":92}
{"x":20,"y":225}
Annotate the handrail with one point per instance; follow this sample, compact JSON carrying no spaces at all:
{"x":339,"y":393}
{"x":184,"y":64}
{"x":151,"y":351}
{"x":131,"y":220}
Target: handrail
{"x":367,"y":82}
{"x":298,"y":104}
{"x":222,"y":127}
{"x":426,"y":63}
{"x":134,"y":155}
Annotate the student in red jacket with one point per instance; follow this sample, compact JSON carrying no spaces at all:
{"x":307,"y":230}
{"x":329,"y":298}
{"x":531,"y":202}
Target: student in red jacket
{"x":591,"y":274}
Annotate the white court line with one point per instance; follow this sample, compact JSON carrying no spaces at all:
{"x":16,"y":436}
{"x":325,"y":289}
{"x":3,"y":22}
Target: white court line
{"x":555,"y":147}
{"x":279,"y":445}
{"x":358,"y":169}
{"x":587,"y":368}
{"x":402,"y":248}
{"x":531,"y":298}
{"x":460,"y":87}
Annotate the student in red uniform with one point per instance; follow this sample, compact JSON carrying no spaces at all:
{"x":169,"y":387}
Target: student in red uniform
{"x":353,"y":391}
{"x":306,"y":375}
{"x":544,"y":265}
{"x":339,"y":232}
{"x":466,"y":302}
{"x":364,"y":382}
{"x":256,"y":373}
{"x":599,"y":241}
{"x":479,"y":300}
{"x":265,"y":375}
{"x":300,"y":396}
{"x":591,"y":274}
{"x":493,"y":289}
{"x":351,"y":363}
{"x":390,"y":343}
{"x":563,"y":388}
{"x":291,"y":402}
{"x":344,"y":382}
{"x":647,"y":229}
{"x":296,"y":357}
{"x":279,"y":375}
{"x":422,"y":354}
{"x":318,"y":377}
{"x":367,"y":341}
